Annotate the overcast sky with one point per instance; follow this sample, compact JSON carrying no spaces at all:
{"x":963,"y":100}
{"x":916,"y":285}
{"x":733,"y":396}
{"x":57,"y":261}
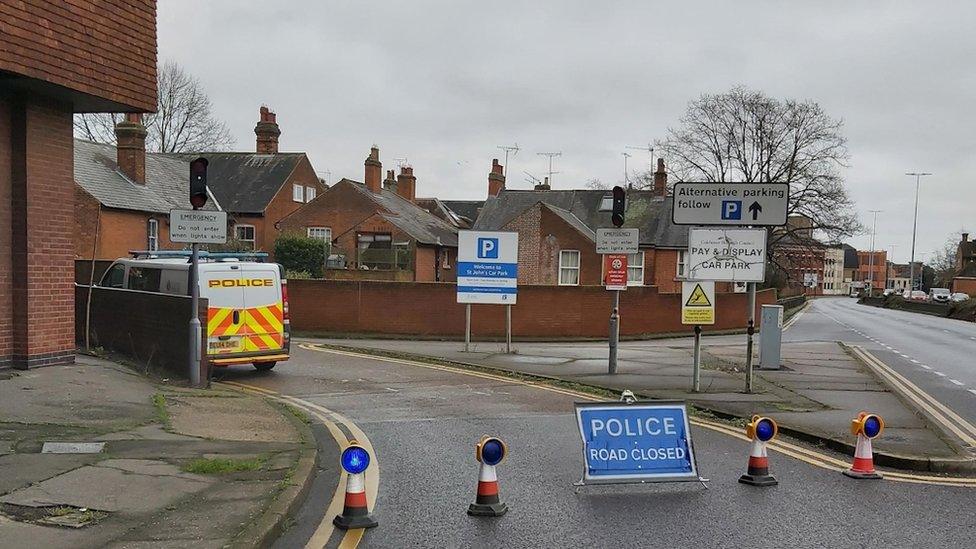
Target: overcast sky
{"x":444,"y":83}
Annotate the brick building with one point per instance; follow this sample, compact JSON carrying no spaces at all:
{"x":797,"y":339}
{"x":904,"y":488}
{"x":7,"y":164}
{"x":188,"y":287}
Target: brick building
{"x":965,"y":279}
{"x":804,"y":261}
{"x":378,"y":228}
{"x":56,"y":59}
{"x":872,"y":270}
{"x":557,"y":233}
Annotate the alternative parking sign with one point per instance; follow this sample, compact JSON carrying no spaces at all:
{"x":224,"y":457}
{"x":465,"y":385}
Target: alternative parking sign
{"x":638,"y":442}
{"x":487,"y":267}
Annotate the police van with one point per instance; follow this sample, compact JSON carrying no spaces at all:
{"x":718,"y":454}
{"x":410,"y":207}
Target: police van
{"x":247,"y":317}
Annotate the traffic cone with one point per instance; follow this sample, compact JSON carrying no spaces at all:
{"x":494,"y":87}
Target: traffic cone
{"x":355,"y":514}
{"x":757,"y":473}
{"x":863,"y":466}
{"x":487,"y":504}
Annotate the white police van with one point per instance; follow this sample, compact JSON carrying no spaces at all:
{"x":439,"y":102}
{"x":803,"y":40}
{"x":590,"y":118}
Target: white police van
{"x":247,"y":317}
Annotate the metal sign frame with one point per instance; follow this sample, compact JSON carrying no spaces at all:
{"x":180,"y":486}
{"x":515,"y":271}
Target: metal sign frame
{"x":738,"y":217}
{"x":586,"y":480}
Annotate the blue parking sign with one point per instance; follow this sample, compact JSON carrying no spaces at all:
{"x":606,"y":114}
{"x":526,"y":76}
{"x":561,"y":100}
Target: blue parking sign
{"x":638,"y":442}
{"x":731,"y":209}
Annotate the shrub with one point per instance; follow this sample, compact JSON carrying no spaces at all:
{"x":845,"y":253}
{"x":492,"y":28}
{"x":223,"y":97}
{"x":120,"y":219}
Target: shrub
{"x":300,"y":253}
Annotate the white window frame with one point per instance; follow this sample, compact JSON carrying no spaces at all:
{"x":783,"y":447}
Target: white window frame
{"x":310,"y":194}
{"x":636,"y":262}
{"x":297,"y":192}
{"x":152,"y":234}
{"x":254,"y":235}
{"x":326,"y":237}
{"x":568,"y":268}
{"x":681,"y":267}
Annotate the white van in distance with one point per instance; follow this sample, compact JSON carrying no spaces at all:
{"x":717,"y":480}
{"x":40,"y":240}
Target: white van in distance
{"x":247,"y":318}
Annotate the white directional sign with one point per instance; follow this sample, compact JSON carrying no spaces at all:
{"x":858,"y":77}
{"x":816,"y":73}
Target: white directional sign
{"x":487,"y":267}
{"x":731,"y":255}
{"x":617,"y":241}
{"x":741,"y":204}
{"x":198,"y":226}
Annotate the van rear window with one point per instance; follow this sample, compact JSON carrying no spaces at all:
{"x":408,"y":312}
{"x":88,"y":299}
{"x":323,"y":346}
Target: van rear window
{"x":144,"y":278}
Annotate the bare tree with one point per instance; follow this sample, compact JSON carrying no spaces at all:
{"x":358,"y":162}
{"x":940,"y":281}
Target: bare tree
{"x":596,"y":185}
{"x":746,"y":136}
{"x":943,"y":261}
{"x":183,"y":121}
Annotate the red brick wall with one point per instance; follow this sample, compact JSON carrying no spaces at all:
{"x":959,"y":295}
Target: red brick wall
{"x":542,"y":311}
{"x":104,"y":48}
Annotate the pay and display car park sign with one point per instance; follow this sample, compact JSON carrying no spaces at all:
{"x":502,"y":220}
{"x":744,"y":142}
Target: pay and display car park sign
{"x":637,"y":442}
{"x":487,"y":267}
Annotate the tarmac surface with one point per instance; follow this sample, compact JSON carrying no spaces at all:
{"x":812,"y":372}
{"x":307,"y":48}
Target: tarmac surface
{"x":423,"y":423}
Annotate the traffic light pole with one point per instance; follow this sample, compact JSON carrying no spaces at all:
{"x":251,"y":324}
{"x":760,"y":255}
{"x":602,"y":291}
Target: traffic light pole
{"x":195,"y":340}
{"x":696,"y":368}
{"x":614,"y":332}
{"x":750,"y":330}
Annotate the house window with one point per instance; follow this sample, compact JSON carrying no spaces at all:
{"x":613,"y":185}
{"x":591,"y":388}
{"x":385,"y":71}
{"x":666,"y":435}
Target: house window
{"x":606,"y":204}
{"x":569,"y":267}
{"x":682,"y":259}
{"x":375,"y":251}
{"x":309,"y":194}
{"x":152,"y":233}
{"x":245,"y":234}
{"x":635,"y":269}
{"x":298,"y":193}
{"x":323,"y":233}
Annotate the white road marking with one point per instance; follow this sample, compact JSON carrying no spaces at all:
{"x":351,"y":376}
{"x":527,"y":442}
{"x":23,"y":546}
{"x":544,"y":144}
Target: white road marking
{"x":973,"y":391}
{"x":914,"y":361}
{"x":903,"y":354}
{"x":956,"y":382}
{"x":940,"y":374}
{"x":925,"y":366}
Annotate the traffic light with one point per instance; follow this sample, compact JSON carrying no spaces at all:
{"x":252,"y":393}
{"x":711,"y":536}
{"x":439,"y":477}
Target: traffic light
{"x":619,"y":204}
{"x":198,"y":182}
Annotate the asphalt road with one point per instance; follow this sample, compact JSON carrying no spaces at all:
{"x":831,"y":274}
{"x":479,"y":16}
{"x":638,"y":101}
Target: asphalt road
{"x":423,"y":424}
{"x":937,"y":354}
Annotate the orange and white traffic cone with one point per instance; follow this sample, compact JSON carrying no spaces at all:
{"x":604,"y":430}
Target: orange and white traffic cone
{"x":863,"y":466}
{"x":355,"y":513}
{"x":490,"y":451}
{"x":757,"y":474}
{"x":866,"y":426}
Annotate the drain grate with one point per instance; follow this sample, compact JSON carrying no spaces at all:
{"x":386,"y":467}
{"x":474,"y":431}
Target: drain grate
{"x":73,"y":447}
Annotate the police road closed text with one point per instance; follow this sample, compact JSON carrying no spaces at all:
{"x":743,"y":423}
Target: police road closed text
{"x":637,"y":441}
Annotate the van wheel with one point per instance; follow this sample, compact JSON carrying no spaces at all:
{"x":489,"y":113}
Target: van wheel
{"x":264,"y":366}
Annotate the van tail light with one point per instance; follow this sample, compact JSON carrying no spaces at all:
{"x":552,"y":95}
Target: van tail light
{"x":284,"y":299}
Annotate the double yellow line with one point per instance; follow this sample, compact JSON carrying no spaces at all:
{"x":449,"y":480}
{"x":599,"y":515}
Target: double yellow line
{"x":806,"y":455}
{"x":332,"y":420}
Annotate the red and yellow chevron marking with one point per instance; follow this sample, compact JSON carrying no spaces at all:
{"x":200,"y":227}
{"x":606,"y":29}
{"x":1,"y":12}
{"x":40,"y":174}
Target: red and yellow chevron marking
{"x":260,"y":328}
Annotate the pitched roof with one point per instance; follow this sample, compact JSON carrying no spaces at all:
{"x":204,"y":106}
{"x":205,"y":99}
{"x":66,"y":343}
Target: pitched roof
{"x":465,"y":208}
{"x":421,"y":225}
{"x":651,"y":214}
{"x":167,"y":180}
{"x":573,"y":221}
{"x":246,"y":182}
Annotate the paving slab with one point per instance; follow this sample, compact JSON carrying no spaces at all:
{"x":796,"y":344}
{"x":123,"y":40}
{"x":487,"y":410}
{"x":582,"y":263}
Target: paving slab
{"x":20,"y":470}
{"x":232,"y":417}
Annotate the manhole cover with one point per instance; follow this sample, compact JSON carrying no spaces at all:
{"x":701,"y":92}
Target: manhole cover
{"x":72,"y":447}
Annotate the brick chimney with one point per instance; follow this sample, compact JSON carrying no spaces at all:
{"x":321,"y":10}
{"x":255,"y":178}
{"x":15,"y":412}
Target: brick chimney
{"x":544,"y":186}
{"x":390,"y":182}
{"x":267,"y":132}
{"x":660,"y":179}
{"x":407,"y":184}
{"x":496,"y":178}
{"x":374,"y":169}
{"x":131,"y":148}
{"x":965,"y":237}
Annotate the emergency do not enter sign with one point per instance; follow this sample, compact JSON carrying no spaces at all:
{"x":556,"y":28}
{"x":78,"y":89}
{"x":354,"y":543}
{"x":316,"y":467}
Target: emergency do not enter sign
{"x":615,"y":267}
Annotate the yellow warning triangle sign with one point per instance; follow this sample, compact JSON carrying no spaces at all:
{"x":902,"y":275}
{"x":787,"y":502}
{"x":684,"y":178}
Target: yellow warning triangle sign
{"x":698,"y":298}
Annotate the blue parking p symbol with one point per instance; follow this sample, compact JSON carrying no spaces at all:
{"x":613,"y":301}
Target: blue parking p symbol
{"x":731,"y":209}
{"x":487,"y":248}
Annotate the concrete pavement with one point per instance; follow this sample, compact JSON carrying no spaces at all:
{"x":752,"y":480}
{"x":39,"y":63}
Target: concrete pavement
{"x":165,"y":466}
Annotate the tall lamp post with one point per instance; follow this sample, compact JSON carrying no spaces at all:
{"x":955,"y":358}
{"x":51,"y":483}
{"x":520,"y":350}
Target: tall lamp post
{"x":911,"y":265}
{"x":874,"y":231}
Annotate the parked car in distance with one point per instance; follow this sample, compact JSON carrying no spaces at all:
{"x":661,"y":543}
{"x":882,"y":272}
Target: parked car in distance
{"x":959,"y":296}
{"x":919,"y":295}
{"x":891,"y":291}
{"x":940,"y":295}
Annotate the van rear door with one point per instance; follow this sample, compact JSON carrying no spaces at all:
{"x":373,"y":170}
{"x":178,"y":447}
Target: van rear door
{"x":264,"y":317}
{"x":220,"y":283}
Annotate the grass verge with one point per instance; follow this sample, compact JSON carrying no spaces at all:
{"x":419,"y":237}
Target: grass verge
{"x":221,"y":466}
{"x":159,"y":403}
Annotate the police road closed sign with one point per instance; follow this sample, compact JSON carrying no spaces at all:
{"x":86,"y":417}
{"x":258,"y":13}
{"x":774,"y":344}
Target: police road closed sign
{"x":742,"y":204}
{"x":198,"y":226}
{"x":487,"y":267}
{"x":640,"y":442}
{"x":698,"y":303}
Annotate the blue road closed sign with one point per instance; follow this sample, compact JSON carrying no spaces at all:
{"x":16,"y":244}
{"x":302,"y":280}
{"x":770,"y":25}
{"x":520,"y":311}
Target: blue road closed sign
{"x":487,"y":267}
{"x":637,"y":442}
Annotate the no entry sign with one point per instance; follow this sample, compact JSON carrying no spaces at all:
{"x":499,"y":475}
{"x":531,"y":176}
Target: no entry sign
{"x":615,"y":267}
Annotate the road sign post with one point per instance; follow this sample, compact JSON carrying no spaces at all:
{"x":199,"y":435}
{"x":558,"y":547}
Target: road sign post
{"x":697,"y":308}
{"x":614,"y":244}
{"x":736,"y":204}
{"x":487,"y":273}
{"x":750,"y":330}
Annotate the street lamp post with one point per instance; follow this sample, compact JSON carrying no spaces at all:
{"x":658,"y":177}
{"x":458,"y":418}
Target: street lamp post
{"x":911,"y":265}
{"x":874,"y":231}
